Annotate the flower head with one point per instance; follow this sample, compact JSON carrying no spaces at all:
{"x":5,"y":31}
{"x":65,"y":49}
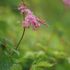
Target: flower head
{"x":30,"y":18}
{"x":66,"y":2}
{"x":22,"y":7}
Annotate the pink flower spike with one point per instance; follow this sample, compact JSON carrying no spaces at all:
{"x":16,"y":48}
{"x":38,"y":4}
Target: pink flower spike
{"x":30,"y":18}
{"x":66,"y":2}
{"x":22,"y":8}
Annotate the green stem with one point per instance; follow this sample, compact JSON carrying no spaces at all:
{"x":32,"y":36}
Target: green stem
{"x":20,"y":39}
{"x":22,"y":0}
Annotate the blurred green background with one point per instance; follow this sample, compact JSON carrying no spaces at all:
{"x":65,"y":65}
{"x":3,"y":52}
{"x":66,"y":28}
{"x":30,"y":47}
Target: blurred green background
{"x":44,"y":49}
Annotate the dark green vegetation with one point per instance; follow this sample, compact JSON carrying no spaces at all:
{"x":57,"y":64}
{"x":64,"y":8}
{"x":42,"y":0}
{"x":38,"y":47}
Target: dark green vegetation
{"x":44,"y":49}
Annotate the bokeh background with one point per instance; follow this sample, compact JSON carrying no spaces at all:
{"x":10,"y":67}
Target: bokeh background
{"x":43,"y":49}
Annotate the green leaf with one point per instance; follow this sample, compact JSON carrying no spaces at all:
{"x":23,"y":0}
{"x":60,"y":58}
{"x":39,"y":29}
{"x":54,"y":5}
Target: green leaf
{"x":44,"y":64}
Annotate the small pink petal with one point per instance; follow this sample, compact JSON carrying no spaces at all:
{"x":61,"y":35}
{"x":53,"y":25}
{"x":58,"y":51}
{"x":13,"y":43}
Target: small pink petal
{"x":67,"y":2}
{"x":25,"y":24}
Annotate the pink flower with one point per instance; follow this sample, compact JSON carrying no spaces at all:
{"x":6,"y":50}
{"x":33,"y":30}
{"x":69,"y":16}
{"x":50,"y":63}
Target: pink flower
{"x":30,"y":18}
{"x":22,"y":8}
{"x":66,"y":2}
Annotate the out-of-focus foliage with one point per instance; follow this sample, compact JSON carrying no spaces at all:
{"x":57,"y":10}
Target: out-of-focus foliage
{"x":44,"y":49}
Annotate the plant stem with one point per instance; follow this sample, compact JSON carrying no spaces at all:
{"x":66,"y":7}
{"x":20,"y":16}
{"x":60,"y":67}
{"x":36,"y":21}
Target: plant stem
{"x":22,"y":0}
{"x":20,"y":39}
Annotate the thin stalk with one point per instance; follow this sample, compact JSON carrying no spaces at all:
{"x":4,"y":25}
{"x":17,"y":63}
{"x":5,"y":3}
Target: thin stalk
{"x":19,"y":42}
{"x":20,"y":39}
{"x":22,"y":1}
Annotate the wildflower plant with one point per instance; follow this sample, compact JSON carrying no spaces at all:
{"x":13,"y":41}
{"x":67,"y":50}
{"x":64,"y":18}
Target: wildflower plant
{"x":29,"y":19}
{"x":48,"y":53}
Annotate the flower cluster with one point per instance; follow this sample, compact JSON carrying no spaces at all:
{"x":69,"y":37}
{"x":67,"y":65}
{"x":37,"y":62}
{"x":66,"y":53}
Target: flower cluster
{"x":30,"y":19}
{"x":66,"y":2}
